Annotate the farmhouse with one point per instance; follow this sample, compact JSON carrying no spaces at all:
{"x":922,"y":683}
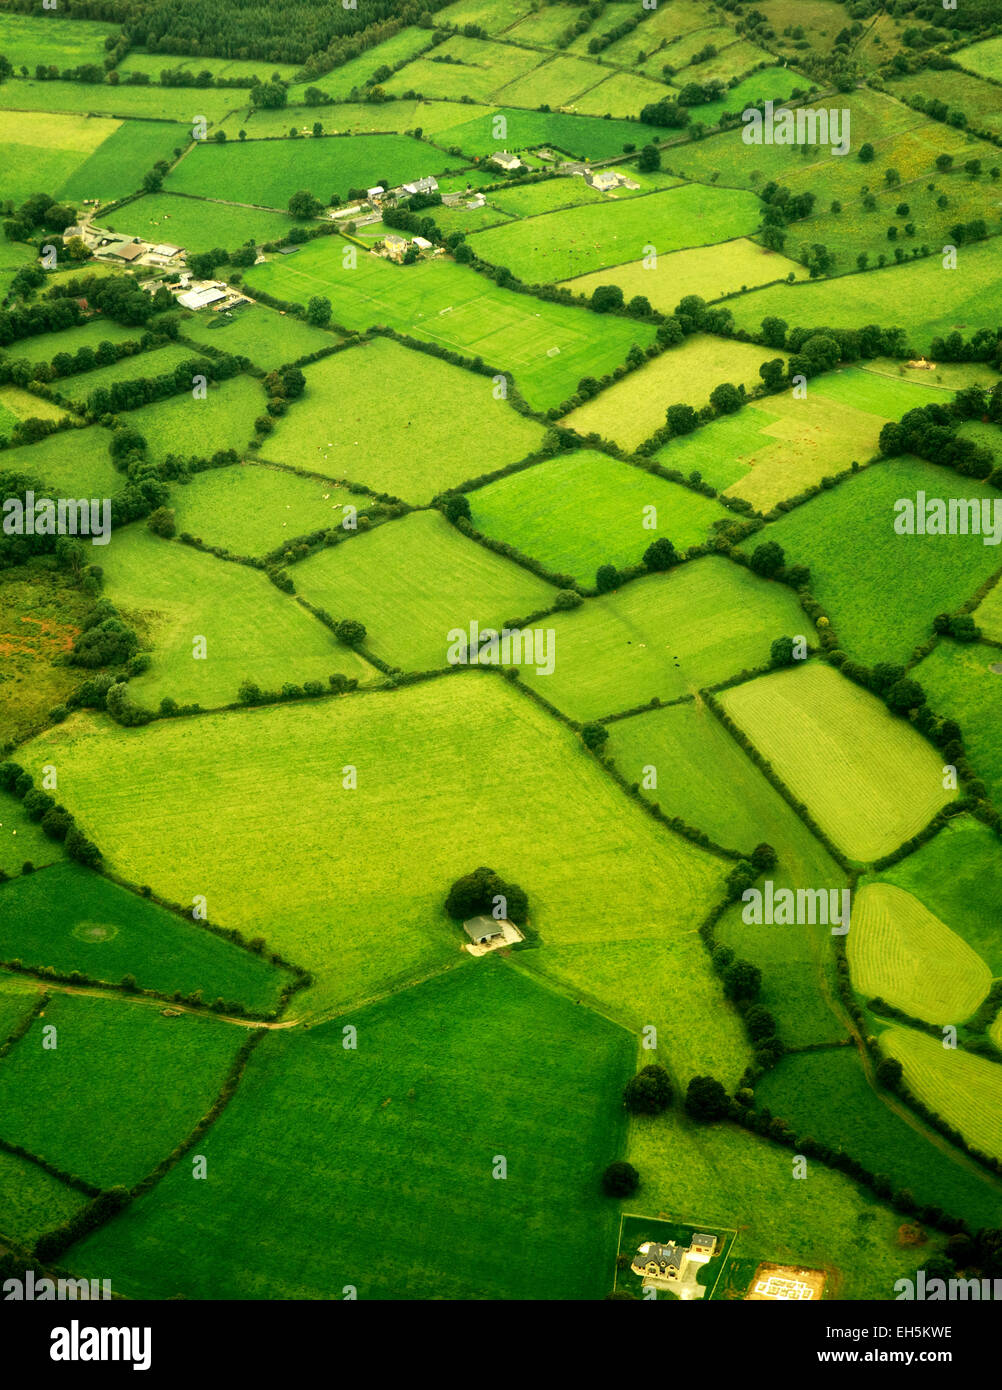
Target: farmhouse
{"x":482,"y":930}
{"x":506,"y":160}
{"x":426,"y":185}
{"x":394,"y":246}
{"x":672,"y":1263}
{"x":376,"y":191}
{"x":607,"y":179}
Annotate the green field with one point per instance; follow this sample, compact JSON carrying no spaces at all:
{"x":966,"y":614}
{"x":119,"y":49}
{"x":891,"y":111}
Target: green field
{"x":197,"y":223}
{"x":405,"y":1129}
{"x":251,"y":630}
{"x":584,"y":509}
{"x":268,"y":339}
{"x":274,"y":798}
{"x":663,"y":636}
{"x":583,"y":137}
{"x":920,"y":297}
{"x":117,"y":166}
{"x":18,"y":996}
{"x":960,"y":684}
{"x":412,"y":581}
{"x":983,"y":58}
{"x":865,"y":775}
{"x":556,"y":82}
{"x":899,"y":951}
{"x":989,"y":615}
{"x":71,"y":919}
{"x":22,"y":841}
{"x":631,"y":410}
{"x":250,"y":510}
{"x":709,"y":271}
{"x":52,"y":40}
{"x":32,"y":1202}
{"x":263,"y":172}
{"x":158,"y":362}
{"x":200,"y":428}
{"x":156,"y":103}
{"x":46,"y":150}
{"x":548,"y":347}
{"x":479,"y":70}
{"x":76,"y":461}
{"x":621,"y":94}
{"x":121,"y":1087}
{"x":341,"y":81}
{"x":355,"y":401}
{"x":826,"y":1095}
{"x":42,"y":347}
{"x":259,"y":122}
{"x":597,"y":237}
{"x":882,"y":590}
{"x":155,"y":63}
{"x":961,"y":1088}
{"x":959,"y":90}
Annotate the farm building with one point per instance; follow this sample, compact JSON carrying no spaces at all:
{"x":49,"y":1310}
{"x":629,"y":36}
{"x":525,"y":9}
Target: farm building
{"x":604,"y":180}
{"x":125,"y":251}
{"x":426,"y":185}
{"x":482,"y":930}
{"x":422,"y":243}
{"x":506,"y":160}
{"x":395,"y":246}
{"x":198,"y":299}
{"x":376,"y":191}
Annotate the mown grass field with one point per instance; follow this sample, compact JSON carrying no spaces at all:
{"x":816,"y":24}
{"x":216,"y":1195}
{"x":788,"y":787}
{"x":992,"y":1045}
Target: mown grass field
{"x":266,"y":174}
{"x":548,"y":347}
{"x":709,"y":271}
{"x":960,"y":684}
{"x":251,"y":630}
{"x":404,"y":1130}
{"x":478,"y":69}
{"x":156,"y":103}
{"x":119,"y":1090}
{"x":69,"y":463}
{"x":847,"y":537}
{"x":32,"y":1202}
{"x":600,"y":236}
{"x":899,"y":951}
{"x":582,"y":137}
{"x":925,"y":300}
{"x":825,"y":1094}
{"x":46,"y":149}
{"x":632,"y":409}
{"x":620,"y":94}
{"x":251,"y":509}
{"x":556,"y":81}
{"x":869,"y":780}
{"x":663,"y":636}
{"x":958,"y":876}
{"x":118,"y":164}
{"x":584,"y":509}
{"x":71,"y":919}
{"x":198,"y":224}
{"x":983,"y":58}
{"x":267,"y":338}
{"x":725,"y":1177}
{"x":961,"y":1088}
{"x":412,"y":581}
{"x":355,"y":401}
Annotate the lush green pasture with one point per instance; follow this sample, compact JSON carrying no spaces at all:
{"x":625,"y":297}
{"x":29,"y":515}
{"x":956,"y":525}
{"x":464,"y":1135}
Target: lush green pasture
{"x":200,"y":428}
{"x":45,"y":150}
{"x":158,"y":362}
{"x":585,"y":137}
{"x":983,"y":58}
{"x":120,"y":1089}
{"x":267,"y":338}
{"x":17,"y":997}
{"x":548,"y":347}
{"x":632,"y":409}
{"x":826,"y":1095}
{"x":197,"y":223}
{"x":251,"y":509}
{"x":340,"y":82}
{"x":621,"y":94}
{"x":543,"y":27}
{"x":412,"y":581}
{"x":182,"y":104}
{"x":73,"y":462}
{"x":493,"y":15}
{"x":16,"y":404}
{"x":709,"y":271}
{"x":988,"y":614}
{"x":32,"y":1202}
{"x":958,"y":876}
{"x":50,"y":39}
{"x":554,"y":82}
{"x":532,"y":199}
{"x":869,"y":780}
{"x":635,"y":980}
{"x":118,"y":164}
{"x":251,"y":630}
{"x":406,"y":1130}
{"x":722,"y":1176}
{"x":265,"y":173}
{"x":400,"y":422}
{"x":958,"y":1086}
{"x":584,"y":509}
{"x":920,"y":297}
{"x":329,"y":888}
{"x":22,"y":841}
{"x":665,"y":635}
{"x":901,"y":952}
{"x":478,"y":69}
{"x":42,"y":347}
{"x":882,"y":590}
{"x":155,"y":63}
{"x":959,"y":90}
{"x":578,"y":240}
{"x":259,"y":123}
{"x":72,"y":919}
{"x":960,"y":684}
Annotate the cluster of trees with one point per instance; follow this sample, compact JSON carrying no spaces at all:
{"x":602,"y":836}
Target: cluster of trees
{"x":650,"y":1092}
{"x":931,"y":432}
{"x":250,"y":693}
{"x":485,"y":892}
{"x":129,"y":394}
{"x":55,"y":821}
{"x":282,"y":386}
{"x":21,"y":371}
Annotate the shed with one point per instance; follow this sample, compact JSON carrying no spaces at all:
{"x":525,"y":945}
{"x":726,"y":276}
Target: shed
{"x":480,"y":930}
